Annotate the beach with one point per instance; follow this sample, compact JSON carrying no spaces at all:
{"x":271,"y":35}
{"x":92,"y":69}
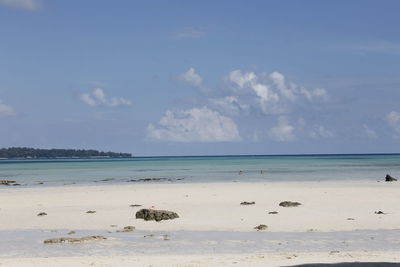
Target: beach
{"x":337,"y":221}
{"x":199,"y":133}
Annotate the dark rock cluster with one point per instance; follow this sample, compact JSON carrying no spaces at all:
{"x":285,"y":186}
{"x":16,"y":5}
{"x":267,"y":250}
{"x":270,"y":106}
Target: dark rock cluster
{"x":156,"y":215}
{"x":389,"y":178}
{"x":8,"y":182}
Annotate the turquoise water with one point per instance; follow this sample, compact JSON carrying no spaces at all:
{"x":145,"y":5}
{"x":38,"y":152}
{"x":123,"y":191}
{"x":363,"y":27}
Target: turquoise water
{"x":202,"y":169}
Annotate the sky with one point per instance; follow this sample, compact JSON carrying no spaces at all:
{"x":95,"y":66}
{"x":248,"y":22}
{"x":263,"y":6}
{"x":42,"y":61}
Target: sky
{"x":201,"y":77}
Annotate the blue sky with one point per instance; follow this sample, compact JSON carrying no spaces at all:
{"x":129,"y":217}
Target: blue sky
{"x":201,"y":77}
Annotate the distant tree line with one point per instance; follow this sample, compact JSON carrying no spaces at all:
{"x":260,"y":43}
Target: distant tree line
{"x":26,"y":152}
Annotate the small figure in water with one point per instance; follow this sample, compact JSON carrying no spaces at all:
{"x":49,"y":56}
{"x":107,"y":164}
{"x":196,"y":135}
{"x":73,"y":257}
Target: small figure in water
{"x":261,"y":172}
{"x":240,"y":172}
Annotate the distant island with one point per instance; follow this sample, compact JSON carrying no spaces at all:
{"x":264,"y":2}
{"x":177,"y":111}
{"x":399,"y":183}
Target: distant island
{"x":26,"y":152}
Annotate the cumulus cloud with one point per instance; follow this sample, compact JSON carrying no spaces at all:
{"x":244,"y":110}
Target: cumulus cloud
{"x":279,"y":80}
{"x":6,"y":111}
{"x":189,"y":33}
{"x":270,"y":93}
{"x":22,"y":4}
{"x":283,"y":132}
{"x":195,"y":125}
{"x":255,"y":100}
{"x":229,"y":105}
{"x":393,"y":119}
{"x":191,"y":77}
{"x":98,"y":98}
{"x":245,"y":83}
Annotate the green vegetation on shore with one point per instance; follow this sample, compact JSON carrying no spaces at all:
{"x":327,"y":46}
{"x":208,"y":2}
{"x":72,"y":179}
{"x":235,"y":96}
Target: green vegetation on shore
{"x":26,"y":152}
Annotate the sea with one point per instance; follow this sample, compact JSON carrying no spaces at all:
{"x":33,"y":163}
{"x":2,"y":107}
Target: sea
{"x":200,"y":169}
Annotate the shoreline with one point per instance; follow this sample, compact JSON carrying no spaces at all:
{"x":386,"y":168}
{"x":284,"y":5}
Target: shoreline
{"x":123,"y":182}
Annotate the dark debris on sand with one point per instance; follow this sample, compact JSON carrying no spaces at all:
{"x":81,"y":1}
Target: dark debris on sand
{"x":247,"y":203}
{"x":261,"y":227}
{"x":289,"y":204}
{"x":73,"y":239}
{"x":156,"y":215}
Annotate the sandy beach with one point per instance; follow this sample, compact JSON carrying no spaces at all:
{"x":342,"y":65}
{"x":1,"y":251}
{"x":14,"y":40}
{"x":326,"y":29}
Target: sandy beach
{"x":200,"y":133}
{"x":210,"y":216}
{"x":326,"y":206}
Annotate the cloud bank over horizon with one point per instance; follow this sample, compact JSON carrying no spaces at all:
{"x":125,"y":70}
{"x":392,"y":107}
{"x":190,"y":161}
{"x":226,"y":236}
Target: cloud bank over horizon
{"x":267,"y":96}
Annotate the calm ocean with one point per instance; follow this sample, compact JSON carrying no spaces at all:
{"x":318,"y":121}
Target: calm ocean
{"x":202,"y":169}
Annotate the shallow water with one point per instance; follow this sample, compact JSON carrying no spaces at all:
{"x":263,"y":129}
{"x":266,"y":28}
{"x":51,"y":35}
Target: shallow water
{"x":29,"y":243}
{"x":55,"y":172}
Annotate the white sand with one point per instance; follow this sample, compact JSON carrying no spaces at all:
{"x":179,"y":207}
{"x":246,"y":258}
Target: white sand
{"x":326,"y":207}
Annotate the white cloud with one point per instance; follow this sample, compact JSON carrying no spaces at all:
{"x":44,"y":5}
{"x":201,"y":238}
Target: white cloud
{"x":229,"y":105}
{"x":22,"y":4}
{"x":313,"y":94}
{"x":279,"y":80}
{"x":283,"y":132}
{"x":369,"y":132}
{"x":189,"y":33}
{"x":248,"y":82}
{"x":256,"y":100}
{"x":98,"y":98}
{"x":393,"y":119}
{"x":6,"y":111}
{"x":240,"y":79}
{"x":191,"y":77}
{"x":195,"y":125}
{"x":271,"y":93}
{"x":319,"y":131}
